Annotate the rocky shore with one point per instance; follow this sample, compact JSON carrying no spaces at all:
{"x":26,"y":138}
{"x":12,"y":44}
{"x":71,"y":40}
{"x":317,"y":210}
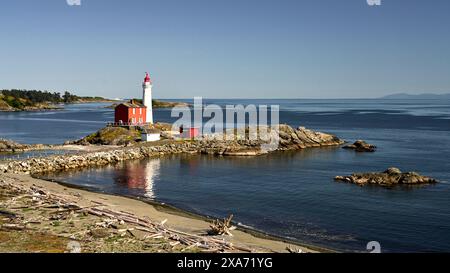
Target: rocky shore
{"x":34,"y":100}
{"x":120,"y":135}
{"x":300,"y":138}
{"x":390,"y":177}
{"x":4,"y":107}
{"x":109,"y":136}
{"x":168,"y":104}
{"x":9,"y":146}
{"x":290,"y":139}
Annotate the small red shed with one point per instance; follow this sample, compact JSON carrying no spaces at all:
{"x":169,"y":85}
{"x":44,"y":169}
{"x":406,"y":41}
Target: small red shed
{"x":190,"y":132}
{"x":130,"y":113}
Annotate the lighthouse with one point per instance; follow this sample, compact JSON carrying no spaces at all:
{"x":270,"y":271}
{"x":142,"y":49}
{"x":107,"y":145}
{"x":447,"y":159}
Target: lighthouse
{"x":147,"y":97}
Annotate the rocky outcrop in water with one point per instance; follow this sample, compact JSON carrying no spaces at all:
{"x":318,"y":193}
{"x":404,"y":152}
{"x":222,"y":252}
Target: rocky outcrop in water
{"x":291,"y":139}
{"x":388,"y":178}
{"x":288,"y":139}
{"x":361,"y":146}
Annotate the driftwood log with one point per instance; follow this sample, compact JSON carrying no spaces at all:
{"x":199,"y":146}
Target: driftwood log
{"x":292,"y":249}
{"x":221,"y":227}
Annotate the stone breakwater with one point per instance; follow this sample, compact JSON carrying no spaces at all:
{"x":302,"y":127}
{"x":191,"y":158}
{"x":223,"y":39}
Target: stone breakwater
{"x":290,"y":139}
{"x":82,"y":160}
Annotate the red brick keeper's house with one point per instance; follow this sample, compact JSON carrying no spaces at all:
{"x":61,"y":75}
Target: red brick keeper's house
{"x":130,"y":113}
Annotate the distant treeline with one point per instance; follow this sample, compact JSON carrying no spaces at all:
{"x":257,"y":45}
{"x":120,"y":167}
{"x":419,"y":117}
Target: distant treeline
{"x":22,"y":98}
{"x":34,"y":96}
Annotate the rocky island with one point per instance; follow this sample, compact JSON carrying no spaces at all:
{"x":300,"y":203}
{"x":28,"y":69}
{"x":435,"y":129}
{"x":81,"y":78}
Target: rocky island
{"x":390,"y":177}
{"x":168,"y":104}
{"x":290,"y":139}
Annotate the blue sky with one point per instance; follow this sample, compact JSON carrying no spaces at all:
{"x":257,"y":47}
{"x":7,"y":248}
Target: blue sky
{"x":227,"y":49}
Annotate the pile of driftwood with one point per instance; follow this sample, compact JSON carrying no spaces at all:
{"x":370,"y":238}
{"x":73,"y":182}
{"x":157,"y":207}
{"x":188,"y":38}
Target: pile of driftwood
{"x":223,"y":227}
{"x":63,"y":206}
{"x":159,"y":230}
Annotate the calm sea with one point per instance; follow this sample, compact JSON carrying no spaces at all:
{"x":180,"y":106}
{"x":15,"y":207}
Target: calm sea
{"x":290,"y":194}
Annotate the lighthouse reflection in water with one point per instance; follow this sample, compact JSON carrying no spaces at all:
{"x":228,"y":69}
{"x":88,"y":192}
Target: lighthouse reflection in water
{"x":140,"y":177}
{"x":153,"y":178}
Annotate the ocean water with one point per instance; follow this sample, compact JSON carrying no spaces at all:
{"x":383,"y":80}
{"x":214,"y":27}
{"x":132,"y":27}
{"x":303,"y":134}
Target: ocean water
{"x":290,"y":194}
{"x":54,"y":127}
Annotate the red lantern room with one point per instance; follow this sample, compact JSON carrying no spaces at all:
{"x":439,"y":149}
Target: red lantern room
{"x":147,"y":78}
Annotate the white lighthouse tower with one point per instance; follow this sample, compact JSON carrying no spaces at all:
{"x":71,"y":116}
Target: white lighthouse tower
{"x":147,"y":97}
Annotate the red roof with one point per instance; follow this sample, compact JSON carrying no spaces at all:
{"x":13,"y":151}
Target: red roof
{"x":132,"y":104}
{"x":147,"y":78}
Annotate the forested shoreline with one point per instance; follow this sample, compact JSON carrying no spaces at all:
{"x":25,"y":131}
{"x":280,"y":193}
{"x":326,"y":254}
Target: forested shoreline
{"x":23,"y":100}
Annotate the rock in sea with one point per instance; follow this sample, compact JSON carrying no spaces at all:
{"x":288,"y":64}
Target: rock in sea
{"x":361,"y":146}
{"x":390,"y":177}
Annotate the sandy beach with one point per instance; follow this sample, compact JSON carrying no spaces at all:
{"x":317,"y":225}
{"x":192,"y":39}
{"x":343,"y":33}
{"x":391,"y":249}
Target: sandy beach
{"x":87,"y":226}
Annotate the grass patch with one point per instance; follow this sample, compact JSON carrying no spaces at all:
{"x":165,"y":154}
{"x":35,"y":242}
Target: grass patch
{"x":56,"y":223}
{"x":25,"y":242}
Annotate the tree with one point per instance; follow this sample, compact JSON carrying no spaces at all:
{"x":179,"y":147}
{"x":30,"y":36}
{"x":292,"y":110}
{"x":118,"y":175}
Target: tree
{"x":67,"y":97}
